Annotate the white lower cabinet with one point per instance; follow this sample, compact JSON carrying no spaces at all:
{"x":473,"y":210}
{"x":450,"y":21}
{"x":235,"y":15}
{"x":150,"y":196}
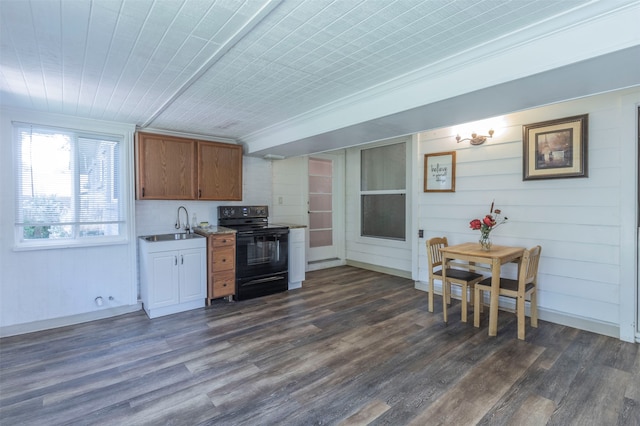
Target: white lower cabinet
{"x":172,"y":281}
{"x":297,"y":257}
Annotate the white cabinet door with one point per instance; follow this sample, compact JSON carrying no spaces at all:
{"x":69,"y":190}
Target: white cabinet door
{"x":297,"y":258}
{"x":192,"y":275}
{"x":164,"y":270}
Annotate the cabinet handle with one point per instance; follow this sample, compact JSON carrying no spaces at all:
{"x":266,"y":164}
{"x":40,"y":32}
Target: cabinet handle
{"x":143,"y":191}
{"x":175,"y":260}
{"x":199,"y":193}
{"x":181,"y":259}
{"x":224,"y":285}
{"x":224,"y":260}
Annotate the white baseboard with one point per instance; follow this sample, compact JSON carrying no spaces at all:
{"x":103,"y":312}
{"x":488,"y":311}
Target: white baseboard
{"x":324,"y":264}
{"x":31,"y":327}
{"x":562,"y":318}
{"x":378,"y":268}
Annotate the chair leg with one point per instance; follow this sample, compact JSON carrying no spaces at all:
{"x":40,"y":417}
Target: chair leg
{"x":463,"y":302}
{"x":534,"y":308}
{"x":430,"y":295}
{"x":521,"y":317}
{"x":445,"y":294}
{"x":476,"y":307}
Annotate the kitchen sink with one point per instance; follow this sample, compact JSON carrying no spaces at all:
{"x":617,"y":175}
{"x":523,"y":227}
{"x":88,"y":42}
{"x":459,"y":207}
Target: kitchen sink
{"x":170,"y":237}
{"x":178,"y":241}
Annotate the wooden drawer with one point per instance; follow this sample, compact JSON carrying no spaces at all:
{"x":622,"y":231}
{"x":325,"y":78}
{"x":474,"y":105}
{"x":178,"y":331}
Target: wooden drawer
{"x":223,"y":259}
{"x":225,"y":240}
{"x":224,"y":284}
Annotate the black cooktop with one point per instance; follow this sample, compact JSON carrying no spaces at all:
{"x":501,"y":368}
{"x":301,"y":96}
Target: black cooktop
{"x":246,"y":218}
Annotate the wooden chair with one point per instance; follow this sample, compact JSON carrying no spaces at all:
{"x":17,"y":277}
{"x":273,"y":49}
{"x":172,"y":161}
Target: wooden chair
{"x":522,"y":289}
{"x":465,"y":279}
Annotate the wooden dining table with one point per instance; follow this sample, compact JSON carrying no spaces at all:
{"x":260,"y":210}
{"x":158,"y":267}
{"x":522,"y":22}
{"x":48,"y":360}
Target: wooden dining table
{"x":494,"y":258}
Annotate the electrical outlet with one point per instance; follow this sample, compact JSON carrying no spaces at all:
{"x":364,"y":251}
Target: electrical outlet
{"x":280,"y":200}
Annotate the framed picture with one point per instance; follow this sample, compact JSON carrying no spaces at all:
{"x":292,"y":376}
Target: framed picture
{"x":555,"y":149}
{"x":440,"y":172}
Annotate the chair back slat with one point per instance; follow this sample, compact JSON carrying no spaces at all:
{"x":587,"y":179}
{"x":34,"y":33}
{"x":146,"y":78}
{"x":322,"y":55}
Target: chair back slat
{"x":529,"y":267}
{"x":433,"y":251}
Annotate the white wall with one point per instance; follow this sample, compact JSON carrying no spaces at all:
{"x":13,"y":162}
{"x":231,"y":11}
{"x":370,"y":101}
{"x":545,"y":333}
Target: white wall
{"x":38,"y":287}
{"x":578,"y":222}
{"x":289,"y":180}
{"x":42,"y":289}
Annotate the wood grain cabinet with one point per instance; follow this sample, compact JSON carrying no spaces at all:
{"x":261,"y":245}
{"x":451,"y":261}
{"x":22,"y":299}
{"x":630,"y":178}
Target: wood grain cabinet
{"x":166,"y":169}
{"x":174,"y":168}
{"x":219,"y":171}
{"x":221,"y":278}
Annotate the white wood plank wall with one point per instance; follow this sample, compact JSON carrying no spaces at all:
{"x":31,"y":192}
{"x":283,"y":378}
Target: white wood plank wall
{"x":576,"y":221}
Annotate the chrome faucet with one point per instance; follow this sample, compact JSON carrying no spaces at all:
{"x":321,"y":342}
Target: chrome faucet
{"x":187,"y":227}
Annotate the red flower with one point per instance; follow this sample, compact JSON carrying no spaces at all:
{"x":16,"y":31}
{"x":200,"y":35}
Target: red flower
{"x":475,"y":224}
{"x":488,"y":220}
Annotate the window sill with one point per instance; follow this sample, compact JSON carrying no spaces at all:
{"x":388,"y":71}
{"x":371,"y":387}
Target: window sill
{"x":57,"y":245}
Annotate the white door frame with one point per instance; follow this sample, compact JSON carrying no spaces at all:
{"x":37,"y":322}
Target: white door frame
{"x":338,"y":208}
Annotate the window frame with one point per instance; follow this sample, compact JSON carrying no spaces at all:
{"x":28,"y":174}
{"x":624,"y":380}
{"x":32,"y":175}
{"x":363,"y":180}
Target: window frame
{"x":391,"y":242}
{"x":120,"y":161}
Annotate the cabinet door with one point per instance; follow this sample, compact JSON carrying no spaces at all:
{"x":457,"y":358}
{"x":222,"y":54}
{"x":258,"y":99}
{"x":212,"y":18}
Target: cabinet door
{"x":166,"y":168}
{"x":219,"y":171}
{"x":192,"y":275}
{"x":163,"y":290}
{"x":296,"y":262}
{"x":297,"y":258}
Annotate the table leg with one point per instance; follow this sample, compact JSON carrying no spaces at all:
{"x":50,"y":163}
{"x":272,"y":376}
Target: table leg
{"x":445,"y":262}
{"x":493,"y":304}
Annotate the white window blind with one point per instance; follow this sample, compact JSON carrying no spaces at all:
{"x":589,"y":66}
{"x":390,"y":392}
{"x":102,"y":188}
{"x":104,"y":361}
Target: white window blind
{"x":383,"y":192}
{"x":68,"y":186}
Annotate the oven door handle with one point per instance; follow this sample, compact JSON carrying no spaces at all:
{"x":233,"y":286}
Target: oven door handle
{"x":262,"y":281}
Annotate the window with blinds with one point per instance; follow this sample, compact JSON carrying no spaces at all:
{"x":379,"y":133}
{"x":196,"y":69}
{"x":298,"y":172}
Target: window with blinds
{"x":383,"y":192}
{"x":68,"y":187}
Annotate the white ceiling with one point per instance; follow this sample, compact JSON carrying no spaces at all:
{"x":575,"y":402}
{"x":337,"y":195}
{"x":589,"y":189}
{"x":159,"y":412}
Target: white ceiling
{"x":262,"y":72}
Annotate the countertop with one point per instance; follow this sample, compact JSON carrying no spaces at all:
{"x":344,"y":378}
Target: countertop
{"x":213,"y":230}
{"x":290,"y":225}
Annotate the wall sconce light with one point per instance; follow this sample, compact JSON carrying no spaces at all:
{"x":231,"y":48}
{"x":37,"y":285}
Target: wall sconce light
{"x":273,"y":157}
{"x":475,"y":138}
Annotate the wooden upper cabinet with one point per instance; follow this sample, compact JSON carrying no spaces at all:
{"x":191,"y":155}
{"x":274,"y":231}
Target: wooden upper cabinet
{"x":219,"y":171}
{"x":174,"y":168}
{"x":166,"y":168}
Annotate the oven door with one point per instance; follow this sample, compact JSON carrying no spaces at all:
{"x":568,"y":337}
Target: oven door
{"x":261,"y":252}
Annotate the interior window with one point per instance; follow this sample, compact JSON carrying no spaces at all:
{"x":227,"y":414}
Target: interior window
{"x":383,"y":192}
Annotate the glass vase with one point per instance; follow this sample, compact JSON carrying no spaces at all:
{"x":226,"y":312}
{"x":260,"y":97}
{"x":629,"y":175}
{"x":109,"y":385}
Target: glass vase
{"x":485,"y":242}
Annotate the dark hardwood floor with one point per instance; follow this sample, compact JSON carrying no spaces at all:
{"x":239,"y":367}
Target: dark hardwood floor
{"x":351,"y":347}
